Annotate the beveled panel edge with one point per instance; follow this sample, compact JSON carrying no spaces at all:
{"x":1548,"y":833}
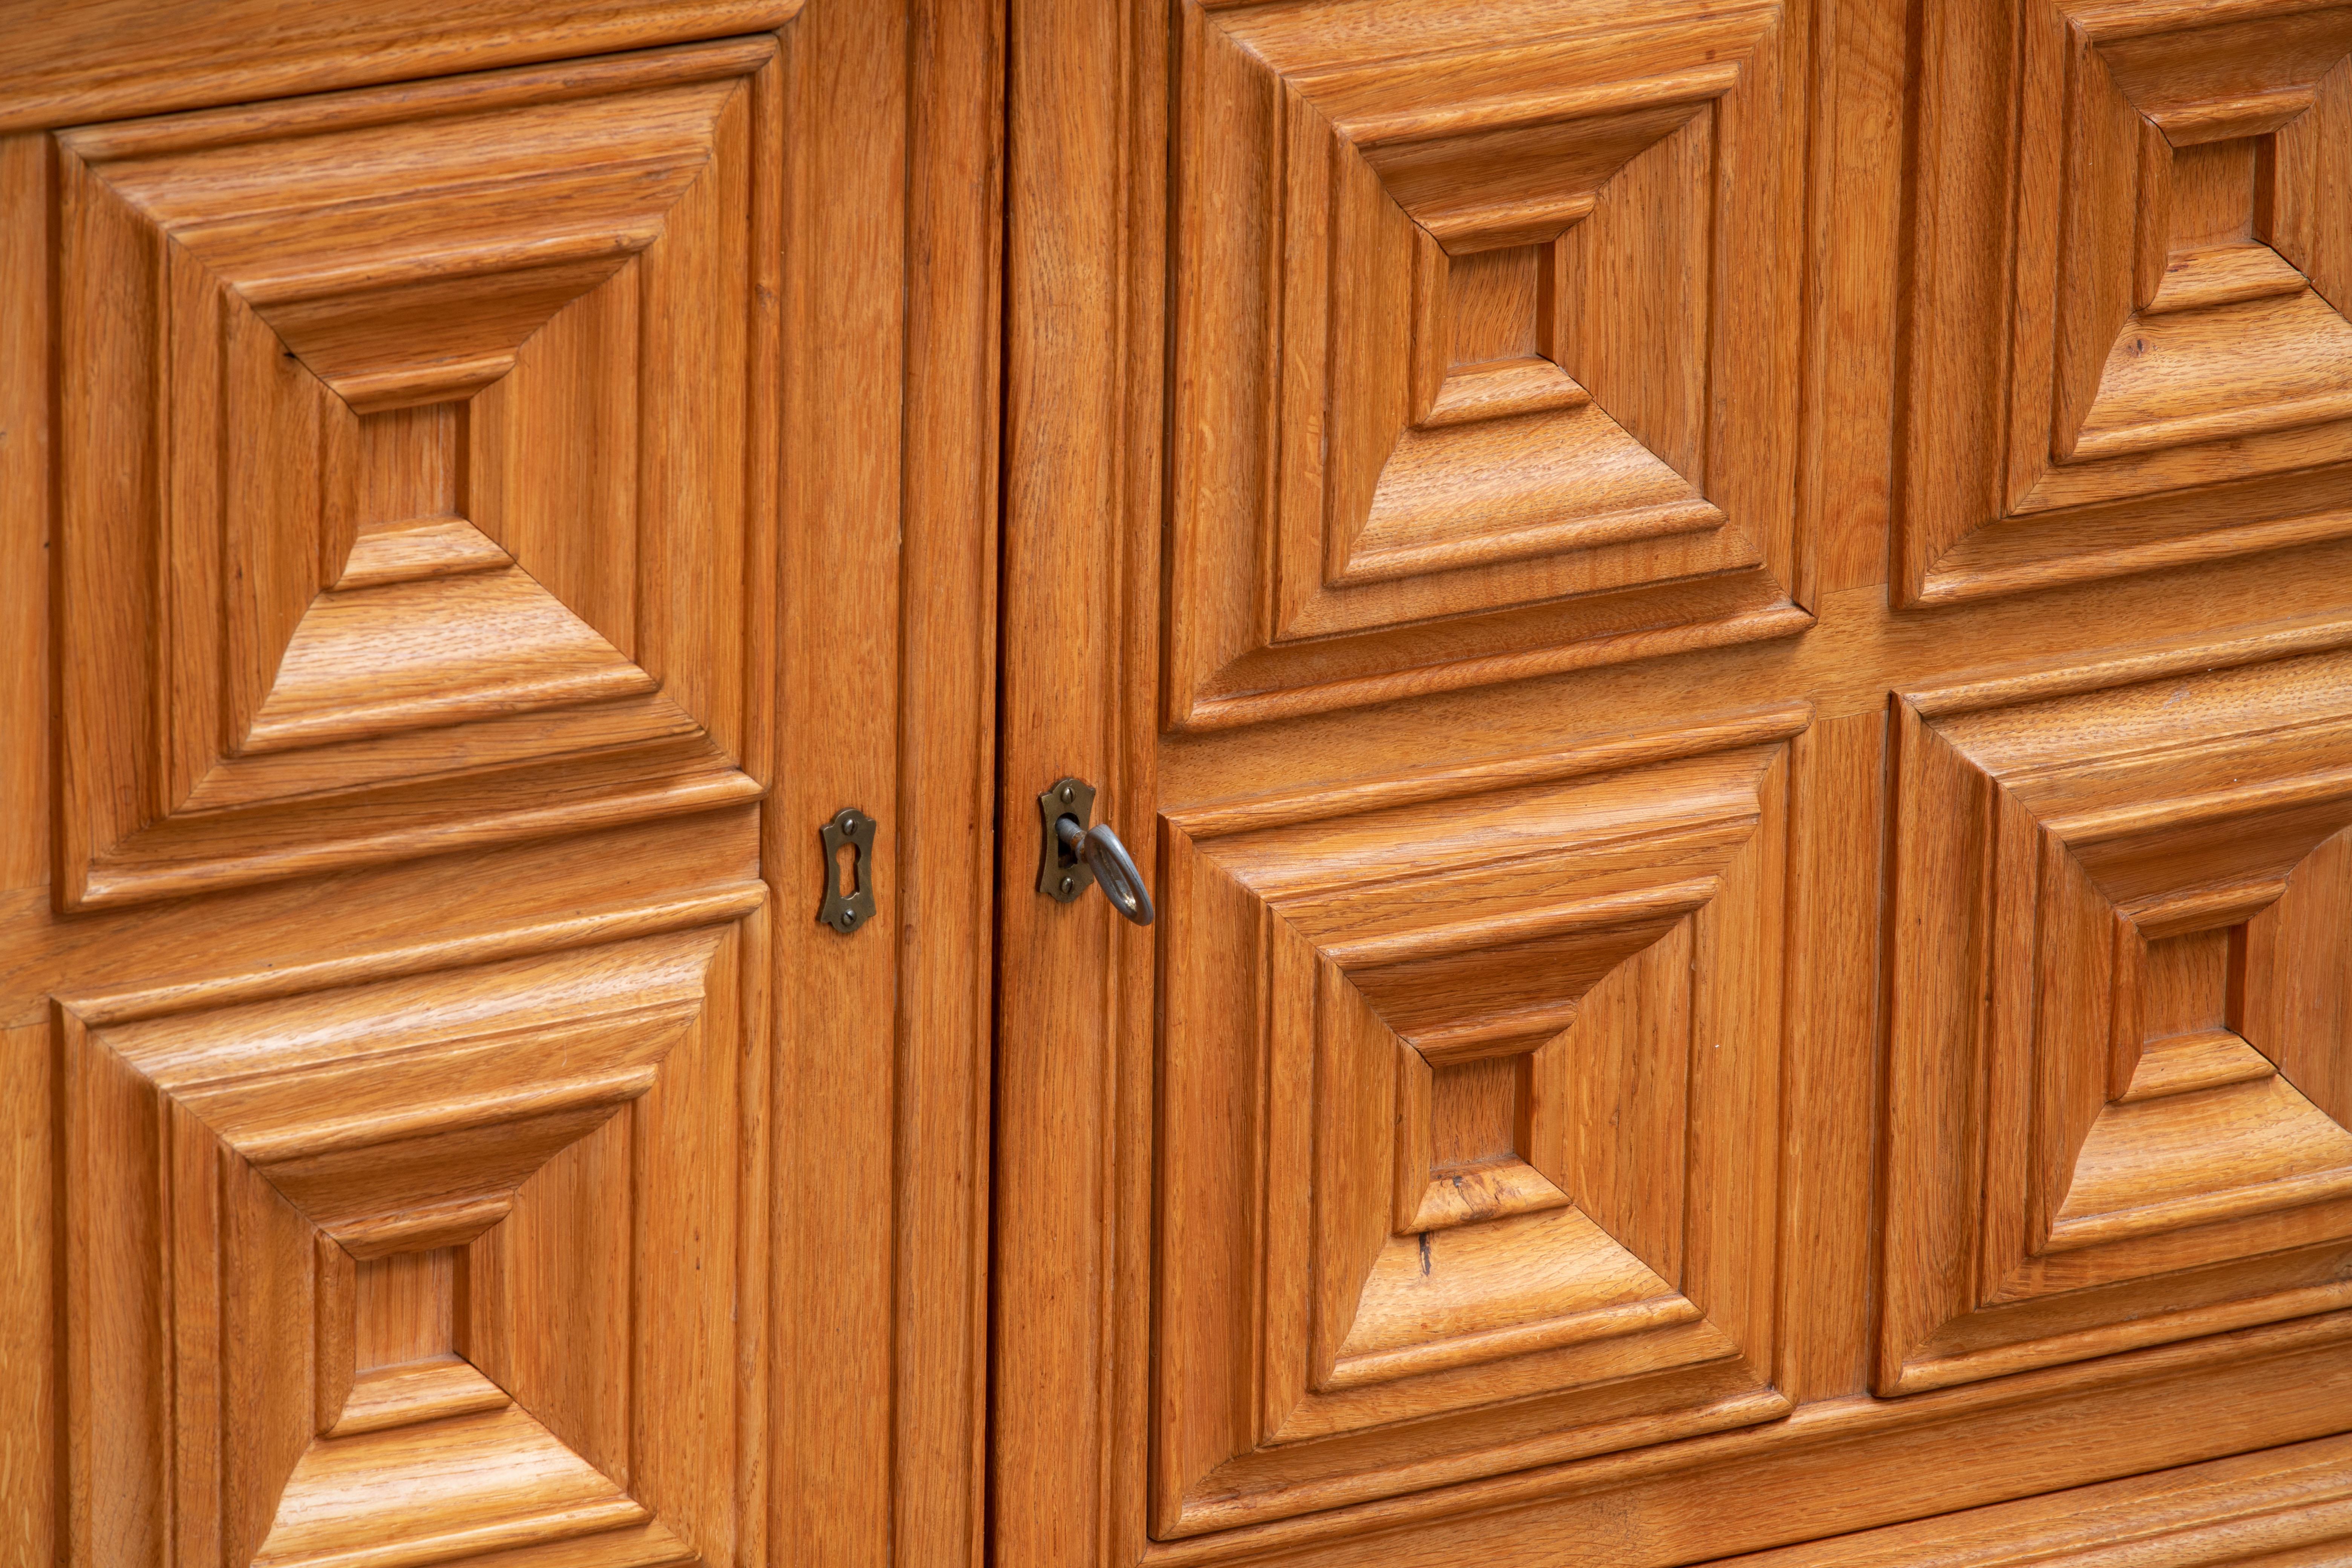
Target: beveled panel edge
{"x":65,"y":71}
{"x":2228,"y":1371}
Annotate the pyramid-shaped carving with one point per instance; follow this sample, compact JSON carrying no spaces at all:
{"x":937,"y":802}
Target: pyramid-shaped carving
{"x":1481,"y":1037}
{"x":2127,"y":296}
{"x":1524,"y":306}
{"x":439,"y":393}
{"x":405,"y":260}
{"x":1466,"y":971}
{"x":2128,"y":900}
{"x":2169,"y":863}
{"x":349,"y":1169}
{"x":1482,"y":347}
{"x":2232,"y":316}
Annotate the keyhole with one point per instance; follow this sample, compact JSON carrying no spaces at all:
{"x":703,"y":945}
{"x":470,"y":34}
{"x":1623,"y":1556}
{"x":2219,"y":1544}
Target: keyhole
{"x":844,"y":861}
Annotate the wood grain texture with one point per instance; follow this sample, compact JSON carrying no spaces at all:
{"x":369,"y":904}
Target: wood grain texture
{"x":1359,"y":966}
{"x":1830,"y":1108}
{"x":305,"y":369}
{"x":2103,"y":860}
{"x":2171,"y":334}
{"x":536,"y":434}
{"x":67,"y":65}
{"x":28,"y":1449}
{"x":1070,"y":1265}
{"x":310,"y":1160}
{"x":1845,"y":474}
{"x":2260,"y":608}
{"x":1493,"y":328}
{"x":948,"y":781}
{"x":1603,"y":951}
{"x":1565,"y":980}
{"x":1842,"y":1465}
{"x":26,"y":318}
{"x":832,"y":1198}
{"x":2290,"y":1505}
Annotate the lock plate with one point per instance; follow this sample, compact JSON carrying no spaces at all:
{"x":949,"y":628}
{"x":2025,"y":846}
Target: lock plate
{"x":851,"y":829}
{"x":1062,"y":875}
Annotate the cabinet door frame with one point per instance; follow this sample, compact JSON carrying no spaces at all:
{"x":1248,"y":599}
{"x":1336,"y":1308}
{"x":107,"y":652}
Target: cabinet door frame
{"x":871,"y":1106}
{"x":1086,"y":575}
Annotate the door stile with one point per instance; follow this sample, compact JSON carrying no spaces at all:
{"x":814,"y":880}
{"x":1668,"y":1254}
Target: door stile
{"x":947,"y":754}
{"x":1081,"y":593}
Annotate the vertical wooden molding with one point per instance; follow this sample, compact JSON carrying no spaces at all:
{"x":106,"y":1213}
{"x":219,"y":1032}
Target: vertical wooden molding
{"x":1829,"y":1157}
{"x":1073,"y":399}
{"x":1859,"y":128}
{"x":841,"y":744}
{"x":29,"y":1451}
{"x":947,"y":778}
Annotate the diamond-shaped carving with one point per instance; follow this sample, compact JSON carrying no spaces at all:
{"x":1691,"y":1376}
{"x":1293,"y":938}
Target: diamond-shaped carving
{"x":2119,"y":1100}
{"x":1468,"y":330}
{"x":1511,"y":1052}
{"x":2178,"y":362}
{"x":394,"y":1257}
{"x":407,"y":493}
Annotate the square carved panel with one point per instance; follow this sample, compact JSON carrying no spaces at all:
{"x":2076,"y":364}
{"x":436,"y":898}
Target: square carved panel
{"x":2122,"y":967}
{"x":2164,"y":374}
{"x":406,"y":454}
{"x":1485,"y":354}
{"x":1468,"y":1107}
{"x":377,"y":1275}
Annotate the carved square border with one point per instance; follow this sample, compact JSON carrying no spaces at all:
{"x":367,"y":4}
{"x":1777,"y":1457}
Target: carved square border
{"x":275,"y":1195}
{"x":2128,"y":349}
{"x":403,"y":497}
{"x":1468,"y":1098}
{"x":1422,"y":291}
{"x":2117,"y":1109}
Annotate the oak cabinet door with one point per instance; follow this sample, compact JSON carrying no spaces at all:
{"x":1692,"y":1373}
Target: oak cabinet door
{"x":1721,"y":628}
{"x":455,"y":535}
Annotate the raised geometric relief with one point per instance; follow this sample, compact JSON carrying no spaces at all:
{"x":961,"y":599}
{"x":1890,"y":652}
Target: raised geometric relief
{"x":2178,"y":380}
{"x":1484,"y":353}
{"x":382,"y":1275}
{"x":2121,"y":1087}
{"x":1467,"y":1110}
{"x":405,"y":467}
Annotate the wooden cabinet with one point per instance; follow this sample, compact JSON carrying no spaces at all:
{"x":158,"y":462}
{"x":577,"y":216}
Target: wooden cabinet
{"x":483,"y":485}
{"x":1726,"y":626}
{"x":1722,"y":628}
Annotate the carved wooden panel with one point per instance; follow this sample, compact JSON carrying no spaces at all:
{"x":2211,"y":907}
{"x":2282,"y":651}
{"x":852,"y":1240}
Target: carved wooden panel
{"x":480,"y":484}
{"x":403,"y":453}
{"x":1468,"y":1107}
{"x":1560,"y":1116}
{"x":2130,"y":266}
{"x":393,"y":1272}
{"x":2120,"y":1099}
{"x":1484,"y":338}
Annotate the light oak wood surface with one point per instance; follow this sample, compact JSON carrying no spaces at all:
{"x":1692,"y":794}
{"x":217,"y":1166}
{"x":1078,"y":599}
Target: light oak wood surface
{"x":1731,"y":685}
{"x":481,"y":485}
{"x":2292,"y":1506}
{"x":1721,"y":626}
